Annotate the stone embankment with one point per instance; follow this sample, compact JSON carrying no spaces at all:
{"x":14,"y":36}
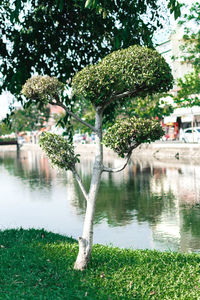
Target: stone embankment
{"x":156,"y":150}
{"x":166,"y":149}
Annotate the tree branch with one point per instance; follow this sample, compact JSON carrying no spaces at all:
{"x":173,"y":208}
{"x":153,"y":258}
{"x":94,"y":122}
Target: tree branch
{"x":80,"y":183}
{"x":59,"y":103}
{"x":116,"y":97}
{"x":111,"y":170}
{"x":122,"y":95}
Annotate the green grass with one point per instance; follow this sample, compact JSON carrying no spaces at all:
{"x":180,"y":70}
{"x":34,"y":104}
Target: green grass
{"x":35,"y":264}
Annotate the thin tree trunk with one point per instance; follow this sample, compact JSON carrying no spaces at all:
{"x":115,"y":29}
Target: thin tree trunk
{"x":86,"y":241}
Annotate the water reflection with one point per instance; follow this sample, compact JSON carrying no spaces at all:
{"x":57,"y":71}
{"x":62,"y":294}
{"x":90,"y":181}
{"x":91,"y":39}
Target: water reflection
{"x":151,"y":204}
{"x":127,"y":196}
{"x":29,"y":166}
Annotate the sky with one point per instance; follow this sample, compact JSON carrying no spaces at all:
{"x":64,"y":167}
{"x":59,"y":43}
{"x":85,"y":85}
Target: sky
{"x":6,"y":98}
{"x":3,"y":105}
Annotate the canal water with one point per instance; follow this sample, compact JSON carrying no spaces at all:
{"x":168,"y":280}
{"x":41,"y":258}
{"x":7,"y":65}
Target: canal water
{"x":152,"y":204}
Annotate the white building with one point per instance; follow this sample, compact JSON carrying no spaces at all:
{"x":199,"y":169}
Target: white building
{"x":172,"y":52}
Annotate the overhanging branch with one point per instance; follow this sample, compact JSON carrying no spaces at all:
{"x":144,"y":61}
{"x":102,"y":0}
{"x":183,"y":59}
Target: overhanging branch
{"x":112,"y":170}
{"x":59,"y":103}
{"x":117,"y":97}
{"x":131,"y":93}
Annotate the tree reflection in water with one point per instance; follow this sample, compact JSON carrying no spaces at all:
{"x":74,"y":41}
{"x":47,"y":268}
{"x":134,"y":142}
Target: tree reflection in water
{"x":160,"y":196}
{"x":191,"y":219}
{"x":31,"y":167}
{"x":127,"y":196}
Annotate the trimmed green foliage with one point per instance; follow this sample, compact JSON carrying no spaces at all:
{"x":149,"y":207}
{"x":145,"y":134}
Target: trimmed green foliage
{"x":126,"y":134}
{"x":137,"y":70}
{"x":42,"y":88}
{"x":35,"y":264}
{"x":59,"y":151}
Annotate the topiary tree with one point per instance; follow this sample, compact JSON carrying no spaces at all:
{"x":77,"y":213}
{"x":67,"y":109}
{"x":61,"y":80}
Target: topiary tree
{"x":132,"y":72}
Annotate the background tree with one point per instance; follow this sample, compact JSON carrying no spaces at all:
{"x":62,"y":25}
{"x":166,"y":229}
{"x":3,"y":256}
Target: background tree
{"x":59,"y":37}
{"x":151,"y":106}
{"x":191,"y":37}
{"x":4,"y":129}
{"x":132,"y":72}
{"x":189,"y":92}
{"x":98,"y":5}
{"x":28,"y":119}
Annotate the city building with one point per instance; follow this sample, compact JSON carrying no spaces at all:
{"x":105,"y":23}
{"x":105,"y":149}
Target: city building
{"x":183,"y":117}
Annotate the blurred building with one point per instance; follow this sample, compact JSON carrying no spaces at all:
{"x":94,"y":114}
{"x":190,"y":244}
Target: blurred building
{"x":181,"y":118}
{"x":172,"y":52}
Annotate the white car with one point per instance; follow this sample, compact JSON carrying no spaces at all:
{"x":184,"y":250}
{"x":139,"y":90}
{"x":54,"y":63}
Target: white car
{"x":191,"y":135}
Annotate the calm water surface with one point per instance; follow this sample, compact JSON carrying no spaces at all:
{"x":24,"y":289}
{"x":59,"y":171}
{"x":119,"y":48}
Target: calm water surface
{"x":152,"y":204}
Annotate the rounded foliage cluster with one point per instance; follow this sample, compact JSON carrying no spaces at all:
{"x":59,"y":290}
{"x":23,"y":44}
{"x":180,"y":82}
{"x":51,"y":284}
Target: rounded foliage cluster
{"x":43,"y":88}
{"x":138,"y":70}
{"x":59,"y":151}
{"x":125,"y":135}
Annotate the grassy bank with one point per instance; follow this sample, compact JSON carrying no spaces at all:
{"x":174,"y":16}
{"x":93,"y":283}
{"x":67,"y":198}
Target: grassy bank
{"x":35,"y":264}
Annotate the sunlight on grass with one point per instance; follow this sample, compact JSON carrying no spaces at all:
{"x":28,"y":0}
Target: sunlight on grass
{"x":35,"y":264}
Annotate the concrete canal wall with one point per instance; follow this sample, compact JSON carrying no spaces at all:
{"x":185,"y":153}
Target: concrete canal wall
{"x":158,"y":149}
{"x":165,"y":149}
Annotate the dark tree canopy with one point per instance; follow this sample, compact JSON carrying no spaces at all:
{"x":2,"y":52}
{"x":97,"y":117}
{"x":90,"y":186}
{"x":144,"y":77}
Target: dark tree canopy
{"x":58,"y":38}
{"x":173,"y":5}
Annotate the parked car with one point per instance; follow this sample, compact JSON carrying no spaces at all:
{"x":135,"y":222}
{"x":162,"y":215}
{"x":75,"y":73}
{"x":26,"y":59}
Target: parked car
{"x":190,"y":135}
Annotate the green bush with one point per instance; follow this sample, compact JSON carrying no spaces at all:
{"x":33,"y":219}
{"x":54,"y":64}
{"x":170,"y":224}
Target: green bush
{"x":126,"y":134}
{"x":138,"y":70}
{"x":42,"y":88}
{"x":59,"y":151}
